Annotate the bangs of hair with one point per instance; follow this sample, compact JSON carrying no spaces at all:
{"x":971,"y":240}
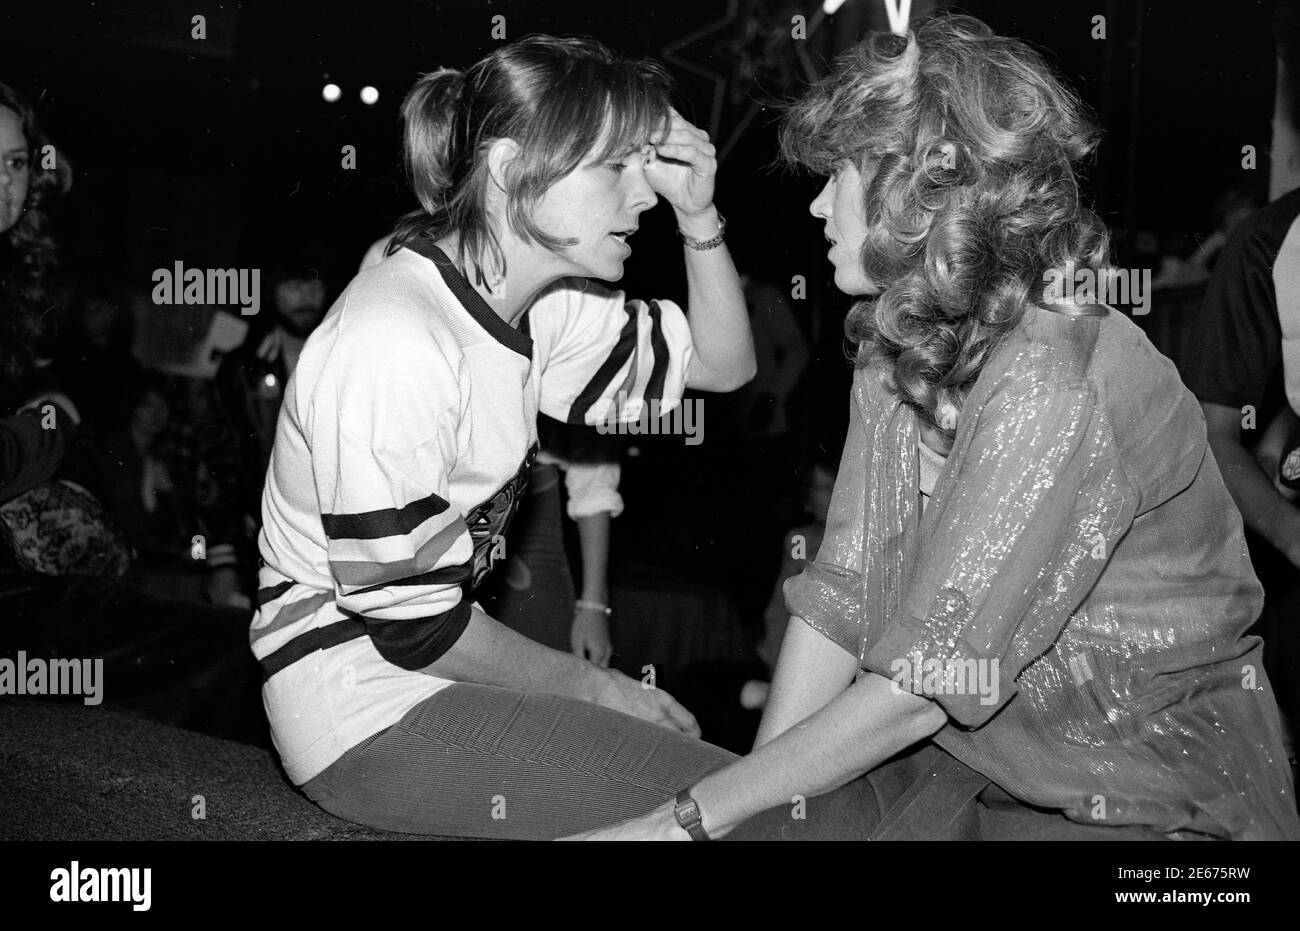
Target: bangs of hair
{"x":631,"y":115}
{"x":852,"y":113}
{"x":600,"y":111}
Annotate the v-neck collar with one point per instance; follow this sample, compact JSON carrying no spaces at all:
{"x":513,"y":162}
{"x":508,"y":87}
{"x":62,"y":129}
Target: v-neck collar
{"x":472,"y":301}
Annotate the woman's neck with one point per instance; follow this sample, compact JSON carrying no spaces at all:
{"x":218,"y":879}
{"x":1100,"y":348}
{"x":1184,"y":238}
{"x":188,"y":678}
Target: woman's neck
{"x":529,"y":270}
{"x":934,"y":438}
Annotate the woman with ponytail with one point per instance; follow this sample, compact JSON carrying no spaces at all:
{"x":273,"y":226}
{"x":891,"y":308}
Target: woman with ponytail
{"x":406,"y":436}
{"x":1026,"y":617}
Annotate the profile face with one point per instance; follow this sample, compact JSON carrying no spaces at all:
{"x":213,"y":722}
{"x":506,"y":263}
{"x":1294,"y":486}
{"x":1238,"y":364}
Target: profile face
{"x":599,"y":204}
{"x":15,"y":168}
{"x":841,"y":206}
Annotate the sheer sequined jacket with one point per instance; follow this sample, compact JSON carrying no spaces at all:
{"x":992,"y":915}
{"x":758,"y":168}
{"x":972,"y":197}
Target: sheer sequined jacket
{"x":1074,"y":595}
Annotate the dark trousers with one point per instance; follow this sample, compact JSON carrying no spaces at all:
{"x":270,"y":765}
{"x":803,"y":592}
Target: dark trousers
{"x":923,"y":794}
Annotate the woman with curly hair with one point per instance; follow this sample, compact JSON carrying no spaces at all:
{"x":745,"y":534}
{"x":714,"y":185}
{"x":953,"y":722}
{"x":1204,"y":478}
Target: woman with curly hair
{"x":32,"y":177}
{"x":60,"y":557}
{"x":1026,"y":618}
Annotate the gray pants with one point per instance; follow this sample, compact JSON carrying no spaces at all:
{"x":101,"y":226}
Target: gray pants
{"x":482,"y":761}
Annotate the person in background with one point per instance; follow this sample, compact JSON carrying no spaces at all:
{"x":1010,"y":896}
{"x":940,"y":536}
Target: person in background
{"x":1175,"y":272}
{"x":140,"y":499}
{"x":764,"y":452}
{"x":533,"y":593}
{"x":1247,"y":377}
{"x":1249,"y":389}
{"x":781,"y":351}
{"x":176,"y":662}
{"x":800,"y":545}
{"x":237,"y":435}
{"x":95,"y":354}
{"x":729,"y":694}
{"x":1285,"y":465}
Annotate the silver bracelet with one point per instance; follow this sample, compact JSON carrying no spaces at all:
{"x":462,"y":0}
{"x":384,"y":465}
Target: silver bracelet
{"x":702,"y":245}
{"x":583,"y":604}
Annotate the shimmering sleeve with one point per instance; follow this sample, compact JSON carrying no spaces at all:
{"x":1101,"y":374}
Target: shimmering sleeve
{"x":827,"y":595}
{"x":1022,"y":531}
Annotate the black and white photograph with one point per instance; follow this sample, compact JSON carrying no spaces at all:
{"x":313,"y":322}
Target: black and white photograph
{"x":738,"y":420}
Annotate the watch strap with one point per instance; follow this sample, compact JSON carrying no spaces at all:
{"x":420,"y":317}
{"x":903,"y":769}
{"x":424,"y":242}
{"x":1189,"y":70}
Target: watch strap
{"x":687,"y":811}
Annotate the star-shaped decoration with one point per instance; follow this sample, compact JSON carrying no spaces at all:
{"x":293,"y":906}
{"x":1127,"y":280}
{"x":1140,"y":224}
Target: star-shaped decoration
{"x":752,"y":57}
{"x":761,"y":51}
{"x":673,"y":53}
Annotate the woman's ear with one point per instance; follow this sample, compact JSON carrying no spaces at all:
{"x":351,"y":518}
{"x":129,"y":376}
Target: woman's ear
{"x":501,"y":153}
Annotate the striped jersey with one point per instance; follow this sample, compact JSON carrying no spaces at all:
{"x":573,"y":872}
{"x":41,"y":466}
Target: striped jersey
{"x":401,"y":450}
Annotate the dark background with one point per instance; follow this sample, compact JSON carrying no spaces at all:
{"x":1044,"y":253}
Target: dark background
{"x":214,"y":151}
{"x":221,"y":152}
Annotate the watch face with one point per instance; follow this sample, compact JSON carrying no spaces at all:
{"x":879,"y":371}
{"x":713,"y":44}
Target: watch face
{"x":688,"y":812}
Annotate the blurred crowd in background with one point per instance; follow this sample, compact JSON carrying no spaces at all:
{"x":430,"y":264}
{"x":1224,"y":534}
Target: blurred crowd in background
{"x":176,"y":410}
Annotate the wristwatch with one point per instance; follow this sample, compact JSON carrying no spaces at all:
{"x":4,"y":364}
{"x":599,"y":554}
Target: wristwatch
{"x":687,"y":811}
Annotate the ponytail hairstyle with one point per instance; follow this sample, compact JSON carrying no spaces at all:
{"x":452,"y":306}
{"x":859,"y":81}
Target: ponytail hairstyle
{"x":562,"y":100}
{"x":969,"y":145}
{"x":28,"y":256}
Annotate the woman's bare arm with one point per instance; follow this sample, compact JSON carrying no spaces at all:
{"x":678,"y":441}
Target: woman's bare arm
{"x":724,"y":345}
{"x":862,"y":727}
{"x":810,"y":672}
{"x":490,"y":653}
{"x":1262,"y":508}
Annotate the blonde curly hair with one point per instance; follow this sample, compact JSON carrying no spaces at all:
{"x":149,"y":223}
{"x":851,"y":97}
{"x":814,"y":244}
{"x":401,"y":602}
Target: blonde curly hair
{"x":970,"y":144}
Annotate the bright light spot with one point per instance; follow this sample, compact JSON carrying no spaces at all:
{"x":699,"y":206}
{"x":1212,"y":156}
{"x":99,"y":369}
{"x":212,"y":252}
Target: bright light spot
{"x":331,"y":92}
{"x":369,"y":95}
{"x":830,"y":6}
{"x":269,"y":380}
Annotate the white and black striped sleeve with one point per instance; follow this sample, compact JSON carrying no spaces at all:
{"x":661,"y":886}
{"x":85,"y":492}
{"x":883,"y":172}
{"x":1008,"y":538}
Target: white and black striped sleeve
{"x":604,"y":356}
{"x":383,"y":437}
